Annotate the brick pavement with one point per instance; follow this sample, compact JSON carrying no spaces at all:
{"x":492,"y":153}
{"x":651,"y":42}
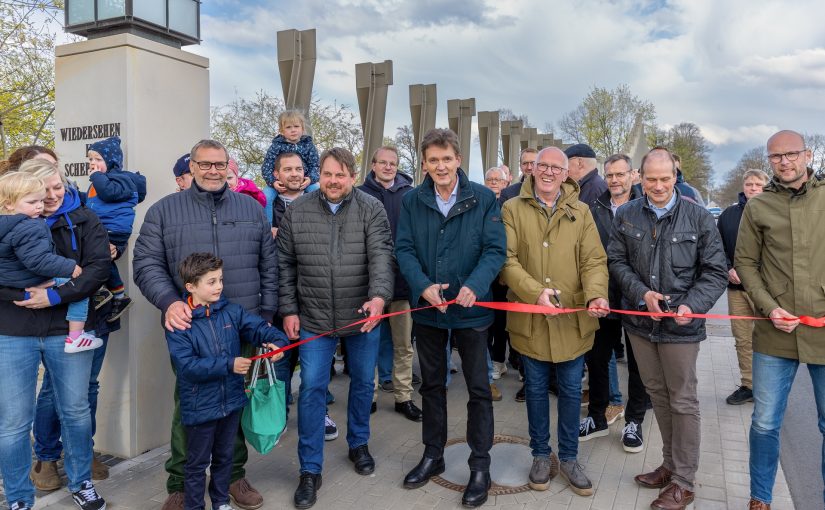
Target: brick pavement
{"x":722,"y":480}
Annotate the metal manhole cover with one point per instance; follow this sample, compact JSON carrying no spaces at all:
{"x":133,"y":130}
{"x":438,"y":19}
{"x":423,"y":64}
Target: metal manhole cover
{"x":509,"y":469}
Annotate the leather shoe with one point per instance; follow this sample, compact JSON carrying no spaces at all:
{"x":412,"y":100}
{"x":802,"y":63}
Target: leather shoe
{"x":409,"y":410}
{"x":364,"y":463}
{"x":755,"y":504}
{"x":673,"y":497}
{"x":307,"y":492}
{"x":656,"y":479}
{"x":476,"y":492}
{"x":421,"y":474}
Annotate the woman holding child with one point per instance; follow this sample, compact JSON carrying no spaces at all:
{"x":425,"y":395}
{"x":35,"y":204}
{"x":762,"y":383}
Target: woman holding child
{"x":34,"y":330}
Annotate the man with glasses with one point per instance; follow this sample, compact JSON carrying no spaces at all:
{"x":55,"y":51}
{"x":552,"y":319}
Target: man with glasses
{"x":583,"y":170}
{"x":666,"y":255}
{"x":780,"y":259}
{"x":527,"y":159}
{"x":207,"y":217}
{"x":554,"y":259}
{"x":495,"y":180}
{"x":601,"y":411}
{"x":395,"y":352}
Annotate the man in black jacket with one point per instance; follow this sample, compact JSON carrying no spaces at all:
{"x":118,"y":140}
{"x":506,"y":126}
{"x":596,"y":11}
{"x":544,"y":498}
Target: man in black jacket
{"x":395,"y":353}
{"x":601,"y":413}
{"x":207,"y":217}
{"x":527,"y":161}
{"x":738,"y":301}
{"x":666,"y":253}
{"x":582,"y":169}
{"x":336,"y":267}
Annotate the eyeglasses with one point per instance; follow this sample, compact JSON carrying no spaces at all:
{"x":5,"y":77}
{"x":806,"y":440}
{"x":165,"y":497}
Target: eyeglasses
{"x":390,"y":164}
{"x":790,"y":156}
{"x":206,"y":165}
{"x":617,"y":175}
{"x":544,"y":167}
{"x":493,"y":180}
{"x":528,"y":163}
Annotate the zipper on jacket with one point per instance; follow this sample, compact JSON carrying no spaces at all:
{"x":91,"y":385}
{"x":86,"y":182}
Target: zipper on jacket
{"x":332,"y":252}
{"x":214,"y":212}
{"x":218,"y":352}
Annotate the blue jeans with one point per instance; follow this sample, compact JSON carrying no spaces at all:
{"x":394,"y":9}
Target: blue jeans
{"x":536,"y":384}
{"x":772,"y":381}
{"x":616,"y":398}
{"x":316,"y":360}
{"x":69,"y":375}
{"x":385,"y":352}
{"x":47,"y":445}
{"x":78,"y":310}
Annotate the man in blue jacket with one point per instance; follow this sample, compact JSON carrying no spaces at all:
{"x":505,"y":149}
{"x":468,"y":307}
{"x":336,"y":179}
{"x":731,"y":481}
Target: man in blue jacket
{"x":450,"y":245}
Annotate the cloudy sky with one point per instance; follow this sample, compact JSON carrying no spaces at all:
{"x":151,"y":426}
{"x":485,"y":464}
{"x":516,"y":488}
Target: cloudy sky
{"x":738,"y":69}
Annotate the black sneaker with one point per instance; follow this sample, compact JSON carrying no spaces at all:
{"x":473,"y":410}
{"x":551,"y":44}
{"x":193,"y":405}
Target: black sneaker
{"x":632,"y":437}
{"x":589,"y":430}
{"x":102,"y":297}
{"x":330,"y":429}
{"x":119,"y":307}
{"x":20,"y":505}
{"x":740,"y":396}
{"x":520,"y":395}
{"x":87,"y":497}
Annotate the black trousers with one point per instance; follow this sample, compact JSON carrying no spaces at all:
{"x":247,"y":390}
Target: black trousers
{"x":213,"y":440}
{"x":432,"y":358}
{"x":498,"y":337}
{"x":598,"y":359}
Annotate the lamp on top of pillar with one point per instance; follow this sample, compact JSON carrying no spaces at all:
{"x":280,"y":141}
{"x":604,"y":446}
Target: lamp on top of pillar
{"x":172,"y":22}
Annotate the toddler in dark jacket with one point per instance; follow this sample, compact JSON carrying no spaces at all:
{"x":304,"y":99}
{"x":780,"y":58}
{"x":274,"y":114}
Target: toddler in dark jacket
{"x":27,"y":254}
{"x":210,"y":370}
{"x":113,"y":195}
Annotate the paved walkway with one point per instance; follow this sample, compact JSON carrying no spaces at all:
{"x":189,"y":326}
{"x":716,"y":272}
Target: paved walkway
{"x":722,"y":481}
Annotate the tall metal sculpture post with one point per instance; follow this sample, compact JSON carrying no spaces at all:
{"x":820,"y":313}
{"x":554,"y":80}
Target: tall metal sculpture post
{"x":488,"y":131}
{"x":372,"y":81}
{"x":422,"y":110}
{"x":460,"y":114}
{"x":296,"y":63}
{"x":511,"y":144}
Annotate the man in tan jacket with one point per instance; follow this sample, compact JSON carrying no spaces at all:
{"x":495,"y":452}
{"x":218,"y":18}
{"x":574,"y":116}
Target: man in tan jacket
{"x":554,"y":259}
{"x":780,"y":258}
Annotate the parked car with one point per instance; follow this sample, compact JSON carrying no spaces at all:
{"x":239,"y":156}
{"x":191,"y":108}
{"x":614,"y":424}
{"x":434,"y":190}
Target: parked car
{"x":715,"y":211}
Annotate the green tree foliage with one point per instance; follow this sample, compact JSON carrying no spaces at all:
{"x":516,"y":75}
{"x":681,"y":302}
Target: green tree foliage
{"x":686,"y":141}
{"x":27,"y":72}
{"x":604,"y":119}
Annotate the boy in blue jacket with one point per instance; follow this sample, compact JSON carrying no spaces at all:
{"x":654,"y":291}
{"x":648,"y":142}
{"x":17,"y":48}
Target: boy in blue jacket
{"x":210,"y":369}
{"x":113,"y":195}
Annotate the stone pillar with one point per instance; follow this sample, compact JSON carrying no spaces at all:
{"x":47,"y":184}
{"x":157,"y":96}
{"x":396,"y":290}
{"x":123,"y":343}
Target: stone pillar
{"x":460,"y":114}
{"x":156,"y":98}
{"x":296,"y":64}
{"x":422,"y":110}
{"x":511,"y":143}
{"x":372,"y":81}
{"x":529,"y":138}
{"x":488,"y":130}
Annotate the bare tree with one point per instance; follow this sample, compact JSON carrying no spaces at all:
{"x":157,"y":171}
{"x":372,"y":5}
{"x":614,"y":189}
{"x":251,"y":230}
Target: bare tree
{"x":407,"y":155}
{"x":756,"y":158}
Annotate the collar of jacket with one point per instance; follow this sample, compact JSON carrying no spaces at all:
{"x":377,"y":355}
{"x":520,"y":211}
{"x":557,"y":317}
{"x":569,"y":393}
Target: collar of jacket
{"x":815,"y":179}
{"x":426,"y":193}
{"x":201,"y":311}
{"x":203,"y":196}
{"x":742,"y":199}
{"x":646,"y":205}
{"x":401,"y":181}
{"x":604,"y":200}
{"x":344,"y":201}
{"x":593,"y":174}
{"x":569,"y":196}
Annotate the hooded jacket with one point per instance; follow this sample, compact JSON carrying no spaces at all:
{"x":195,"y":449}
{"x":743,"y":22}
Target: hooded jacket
{"x":114,"y":193}
{"x":304,"y":148}
{"x":331,"y":264}
{"x":728,"y":225}
{"x":27,"y":256}
{"x":467,"y":248}
{"x":204,"y":357}
{"x":77,"y":234}
{"x":557,"y":249}
{"x":780,"y":258}
{"x":391,"y":199}
{"x":678,"y":255}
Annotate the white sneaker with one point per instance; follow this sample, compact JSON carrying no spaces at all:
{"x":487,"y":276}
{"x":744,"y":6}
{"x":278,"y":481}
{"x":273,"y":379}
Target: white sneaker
{"x":84,"y":342}
{"x":225,"y":506}
{"x":499,"y":369}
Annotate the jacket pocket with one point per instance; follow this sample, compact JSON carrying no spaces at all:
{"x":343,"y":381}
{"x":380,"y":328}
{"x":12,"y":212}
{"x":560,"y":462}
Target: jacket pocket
{"x":632,"y":234}
{"x":683,"y":249}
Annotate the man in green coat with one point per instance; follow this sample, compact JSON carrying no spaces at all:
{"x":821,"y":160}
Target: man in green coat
{"x":554,"y":258}
{"x":780,"y":258}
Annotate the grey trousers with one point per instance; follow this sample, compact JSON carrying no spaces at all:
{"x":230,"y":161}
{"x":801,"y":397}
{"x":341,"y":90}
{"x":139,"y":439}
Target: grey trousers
{"x":668,"y":372}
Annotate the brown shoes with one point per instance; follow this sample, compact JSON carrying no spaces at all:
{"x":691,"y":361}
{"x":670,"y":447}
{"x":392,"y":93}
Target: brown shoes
{"x":656,"y":479}
{"x":244,"y":495}
{"x":174,"y":501}
{"x":44,"y":475}
{"x":673,"y":497}
{"x":755,"y":504}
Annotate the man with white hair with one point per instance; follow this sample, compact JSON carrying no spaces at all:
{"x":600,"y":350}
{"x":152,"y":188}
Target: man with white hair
{"x":495,"y":180}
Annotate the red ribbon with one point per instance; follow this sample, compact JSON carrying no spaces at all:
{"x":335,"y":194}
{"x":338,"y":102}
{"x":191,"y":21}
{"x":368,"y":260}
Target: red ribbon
{"x":807,"y":320}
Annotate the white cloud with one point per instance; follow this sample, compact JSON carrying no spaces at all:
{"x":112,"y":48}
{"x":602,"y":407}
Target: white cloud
{"x":752,"y":135}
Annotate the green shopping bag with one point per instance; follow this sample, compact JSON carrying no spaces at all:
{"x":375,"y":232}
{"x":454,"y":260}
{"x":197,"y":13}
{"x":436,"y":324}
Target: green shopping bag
{"x":264,"y":418}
